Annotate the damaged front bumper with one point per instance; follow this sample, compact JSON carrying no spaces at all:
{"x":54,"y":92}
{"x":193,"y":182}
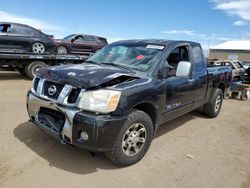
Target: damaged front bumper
{"x":66,"y":123}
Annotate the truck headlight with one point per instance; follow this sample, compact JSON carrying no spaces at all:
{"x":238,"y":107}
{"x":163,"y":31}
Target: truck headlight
{"x":103,"y":101}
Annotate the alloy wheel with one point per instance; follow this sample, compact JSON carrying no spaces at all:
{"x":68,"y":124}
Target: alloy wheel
{"x":134,"y":139}
{"x":38,"y":48}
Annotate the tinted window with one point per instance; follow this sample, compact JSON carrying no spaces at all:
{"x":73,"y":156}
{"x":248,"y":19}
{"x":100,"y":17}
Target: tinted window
{"x":103,"y":40}
{"x":5,"y":28}
{"x":177,"y":55}
{"x":88,"y":38}
{"x":78,"y":38}
{"x":24,"y":30}
{"x":198,"y":59}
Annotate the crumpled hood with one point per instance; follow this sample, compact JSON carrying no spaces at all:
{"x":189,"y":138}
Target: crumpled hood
{"x":83,"y":75}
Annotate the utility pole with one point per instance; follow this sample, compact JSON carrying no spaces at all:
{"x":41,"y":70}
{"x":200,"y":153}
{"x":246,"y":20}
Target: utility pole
{"x":208,"y":44}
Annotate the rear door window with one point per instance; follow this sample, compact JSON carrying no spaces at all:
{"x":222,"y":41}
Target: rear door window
{"x":87,"y":38}
{"x":24,"y":31}
{"x":198,"y":58}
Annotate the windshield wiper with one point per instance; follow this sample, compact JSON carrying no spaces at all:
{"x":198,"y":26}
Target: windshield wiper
{"x":119,"y":65}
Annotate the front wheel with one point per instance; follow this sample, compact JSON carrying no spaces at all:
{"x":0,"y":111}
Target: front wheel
{"x":133,"y":140}
{"x":213,"y":107}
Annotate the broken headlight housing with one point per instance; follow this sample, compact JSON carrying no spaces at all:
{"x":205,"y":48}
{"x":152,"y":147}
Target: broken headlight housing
{"x":103,"y":101}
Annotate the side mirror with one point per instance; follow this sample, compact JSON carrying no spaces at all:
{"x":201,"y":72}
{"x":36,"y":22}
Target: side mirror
{"x":72,"y":40}
{"x":183,"y":69}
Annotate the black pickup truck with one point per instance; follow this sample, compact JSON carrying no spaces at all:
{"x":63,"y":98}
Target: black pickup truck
{"x":115,"y":101}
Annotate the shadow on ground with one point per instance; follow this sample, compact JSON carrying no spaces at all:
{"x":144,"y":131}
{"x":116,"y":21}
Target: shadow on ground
{"x":73,"y":159}
{"x":62,"y":156}
{"x":11,"y":75}
{"x":173,"y":124}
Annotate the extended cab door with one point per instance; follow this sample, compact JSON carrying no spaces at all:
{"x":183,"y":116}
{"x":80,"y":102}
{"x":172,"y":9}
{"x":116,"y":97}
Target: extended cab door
{"x":179,"y":90}
{"x":199,"y":75}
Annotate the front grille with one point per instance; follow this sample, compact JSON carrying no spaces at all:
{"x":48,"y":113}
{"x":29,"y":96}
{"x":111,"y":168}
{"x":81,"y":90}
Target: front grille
{"x":36,"y":81}
{"x":52,"y":90}
{"x":73,"y":95}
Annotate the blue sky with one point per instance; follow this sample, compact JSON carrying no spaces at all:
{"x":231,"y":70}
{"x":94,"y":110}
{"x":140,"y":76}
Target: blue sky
{"x":207,"y":21}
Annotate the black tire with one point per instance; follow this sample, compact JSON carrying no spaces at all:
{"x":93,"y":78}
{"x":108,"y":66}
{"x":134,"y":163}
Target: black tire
{"x":117,"y":155}
{"x":212,"y":108}
{"x":22,"y":71}
{"x":243,"y":96}
{"x":30,"y":69}
{"x":62,"y":50}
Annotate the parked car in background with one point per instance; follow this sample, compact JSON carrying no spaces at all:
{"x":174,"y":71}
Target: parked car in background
{"x":237,"y":68}
{"x":80,"y":44}
{"x":246,"y":65}
{"x":19,"y":38}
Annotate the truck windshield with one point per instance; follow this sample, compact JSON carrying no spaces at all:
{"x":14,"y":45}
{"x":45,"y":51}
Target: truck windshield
{"x":135,"y":57}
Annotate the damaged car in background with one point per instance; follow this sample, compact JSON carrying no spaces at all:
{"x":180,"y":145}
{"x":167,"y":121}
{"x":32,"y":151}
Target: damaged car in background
{"x":80,"y":44}
{"x":116,"y":100}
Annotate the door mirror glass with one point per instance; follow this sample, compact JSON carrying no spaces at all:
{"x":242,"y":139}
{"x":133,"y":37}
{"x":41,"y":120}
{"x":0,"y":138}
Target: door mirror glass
{"x":183,"y":69}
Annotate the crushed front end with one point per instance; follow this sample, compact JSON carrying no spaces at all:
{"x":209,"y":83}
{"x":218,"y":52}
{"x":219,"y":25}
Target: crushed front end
{"x":53,"y":107}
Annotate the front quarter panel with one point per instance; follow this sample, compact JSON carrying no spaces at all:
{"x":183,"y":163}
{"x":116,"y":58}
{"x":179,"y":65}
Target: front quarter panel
{"x":138,"y":91}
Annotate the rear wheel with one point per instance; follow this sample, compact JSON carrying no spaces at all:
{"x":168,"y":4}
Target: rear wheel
{"x":32,"y":68}
{"x":244,"y":96}
{"x":38,"y":48}
{"x":213,"y":107}
{"x":61,"y":50}
{"x":133,"y":140}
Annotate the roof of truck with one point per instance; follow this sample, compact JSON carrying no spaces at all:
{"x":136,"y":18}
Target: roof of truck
{"x":155,"y":41}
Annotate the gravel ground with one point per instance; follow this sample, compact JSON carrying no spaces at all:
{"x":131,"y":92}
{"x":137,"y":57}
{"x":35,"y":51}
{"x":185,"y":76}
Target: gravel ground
{"x":191,"y":151}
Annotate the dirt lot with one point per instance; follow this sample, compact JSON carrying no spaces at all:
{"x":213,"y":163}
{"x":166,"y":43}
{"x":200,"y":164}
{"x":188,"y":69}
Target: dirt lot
{"x":219,"y":149}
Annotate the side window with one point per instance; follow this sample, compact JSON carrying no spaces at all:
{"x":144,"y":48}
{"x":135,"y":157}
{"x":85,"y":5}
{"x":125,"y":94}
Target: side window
{"x":87,"y":38}
{"x":78,"y":38}
{"x":239,"y":65}
{"x":229,"y":64}
{"x":5,"y":28}
{"x":177,"y":55}
{"x":198,"y":59}
{"x":22,"y":30}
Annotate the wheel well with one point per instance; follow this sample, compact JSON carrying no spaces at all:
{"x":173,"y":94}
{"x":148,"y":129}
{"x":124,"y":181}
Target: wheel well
{"x":38,"y":42}
{"x":148,"y":109}
{"x":222,"y":87}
